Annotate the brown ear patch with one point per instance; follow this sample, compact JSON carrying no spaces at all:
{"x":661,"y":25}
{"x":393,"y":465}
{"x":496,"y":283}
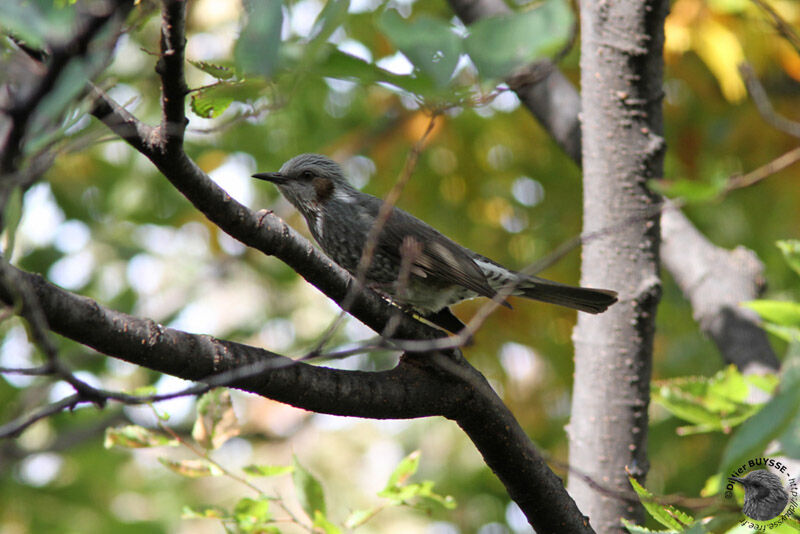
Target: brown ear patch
{"x":323,"y":187}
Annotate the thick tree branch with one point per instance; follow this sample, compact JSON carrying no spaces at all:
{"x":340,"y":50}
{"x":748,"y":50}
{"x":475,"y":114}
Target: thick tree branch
{"x":263,"y":231}
{"x":170,"y":68}
{"x":433,"y":384}
{"x":428,"y":384}
{"x":555,"y":102}
{"x":403,"y":392}
{"x":714,"y":280}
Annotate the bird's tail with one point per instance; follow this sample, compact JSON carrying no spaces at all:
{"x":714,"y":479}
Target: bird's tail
{"x":578,"y":298}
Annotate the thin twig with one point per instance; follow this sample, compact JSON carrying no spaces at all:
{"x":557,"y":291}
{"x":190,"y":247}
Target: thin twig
{"x":230,"y":474}
{"x":782,"y":26}
{"x":765,"y":171}
{"x":373,"y":236}
{"x":16,"y":427}
{"x":763,"y":104}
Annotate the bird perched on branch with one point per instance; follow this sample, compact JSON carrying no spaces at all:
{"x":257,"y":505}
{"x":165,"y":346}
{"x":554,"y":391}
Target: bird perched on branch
{"x":764,"y":495}
{"x":412,"y":263}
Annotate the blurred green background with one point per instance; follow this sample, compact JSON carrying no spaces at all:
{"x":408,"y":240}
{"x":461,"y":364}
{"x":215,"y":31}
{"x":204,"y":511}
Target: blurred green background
{"x":105,"y":224}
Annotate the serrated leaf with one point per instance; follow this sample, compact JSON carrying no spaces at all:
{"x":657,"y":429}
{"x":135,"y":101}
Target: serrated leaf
{"x":268,"y":470}
{"x":791,"y":252}
{"x":667,"y":515}
{"x":204,"y":512}
{"x":633,"y":528}
{"x":428,"y":43}
{"x":192,"y":468}
{"x":321,"y":522}
{"x":309,"y":490}
{"x":256,"y":50}
{"x":210,"y":102}
{"x":772,"y":421}
{"x":498,"y":45}
{"x":779,"y":312}
{"x":220,"y":72}
{"x":12,"y":214}
{"x":717,"y":403}
{"x":136,"y":437}
{"x":253,"y":516}
{"x":216,"y":421}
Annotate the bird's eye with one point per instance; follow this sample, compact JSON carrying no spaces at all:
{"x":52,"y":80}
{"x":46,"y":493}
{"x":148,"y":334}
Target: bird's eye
{"x":307,"y":175}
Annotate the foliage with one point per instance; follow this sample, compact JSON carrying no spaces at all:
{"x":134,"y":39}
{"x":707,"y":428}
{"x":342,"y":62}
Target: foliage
{"x":104,"y":223}
{"x":255,"y":515}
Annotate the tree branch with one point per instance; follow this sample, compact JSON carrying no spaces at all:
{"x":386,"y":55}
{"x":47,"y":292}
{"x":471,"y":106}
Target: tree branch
{"x":26,"y":102}
{"x":716,"y":280}
{"x":403,"y":392}
{"x":555,"y":102}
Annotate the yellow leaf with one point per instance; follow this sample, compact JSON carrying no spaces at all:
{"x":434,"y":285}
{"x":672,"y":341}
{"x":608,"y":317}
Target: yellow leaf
{"x":722,"y":53}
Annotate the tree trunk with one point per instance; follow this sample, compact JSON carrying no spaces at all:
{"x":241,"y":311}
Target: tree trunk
{"x":621,"y":75}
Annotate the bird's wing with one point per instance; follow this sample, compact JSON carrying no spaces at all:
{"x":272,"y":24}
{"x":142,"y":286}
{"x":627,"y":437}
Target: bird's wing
{"x":434,"y":255}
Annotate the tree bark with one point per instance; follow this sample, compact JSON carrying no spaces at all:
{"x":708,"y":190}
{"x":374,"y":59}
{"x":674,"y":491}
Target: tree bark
{"x":556,"y":104}
{"x":621,"y":76}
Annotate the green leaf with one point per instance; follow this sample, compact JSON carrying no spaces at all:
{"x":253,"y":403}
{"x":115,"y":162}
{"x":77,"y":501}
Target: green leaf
{"x":268,"y":470}
{"x":772,"y":421}
{"x":321,"y":522}
{"x":216,"y":421}
{"x":309,"y":490}
{"x":210,"y":102}
{"x":252,"y":516}
{"x":690,"y":191}
{"x":256,"y":50}
{"x":399,"y":492}
{"x":331,"y":17}
{"x":192,"y":468}
{"x":711,"y":404}
{"x":791,"y":252}
{"x":205,"y":512}
{"x":220,"y":72}
{"x":423,"y":491}
{"x":667,"y":515}
{"x":498,"y":45}
{"x":633,"y":528}
{"x":428,"y":43}
{"x":790,"y":334}
{"x":779,"y":312}
{"x":407,"y":467}
{"x":12,"y":214}
{"x":24,"y":21}
{"x":136,"y":437}
{"x":338,"y":64}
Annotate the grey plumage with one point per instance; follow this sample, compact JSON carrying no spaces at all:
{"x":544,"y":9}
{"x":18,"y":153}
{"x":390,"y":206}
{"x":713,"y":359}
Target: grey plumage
{"x":441,"y":273}
{"x":764,"y":495}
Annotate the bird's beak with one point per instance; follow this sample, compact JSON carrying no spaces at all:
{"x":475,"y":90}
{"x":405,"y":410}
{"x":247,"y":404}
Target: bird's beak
{"x":274,"y":177}
{"x":736,"y":479}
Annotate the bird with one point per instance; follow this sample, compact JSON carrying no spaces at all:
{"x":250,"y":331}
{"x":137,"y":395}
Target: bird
{"x":764,"y":495}
{"x":438,"y":271}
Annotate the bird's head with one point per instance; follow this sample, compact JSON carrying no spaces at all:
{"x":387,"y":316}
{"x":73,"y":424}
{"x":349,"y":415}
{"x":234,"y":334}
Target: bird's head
{"x":764,"y":495}
{"x":309,"y":181}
